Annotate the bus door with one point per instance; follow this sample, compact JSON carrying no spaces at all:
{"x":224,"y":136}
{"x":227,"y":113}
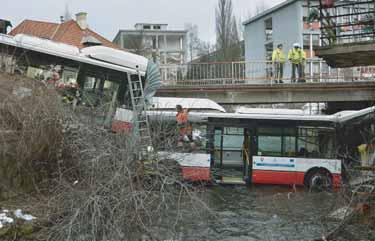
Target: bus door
{"x":229,"y":154}
{"x":248,"y":151}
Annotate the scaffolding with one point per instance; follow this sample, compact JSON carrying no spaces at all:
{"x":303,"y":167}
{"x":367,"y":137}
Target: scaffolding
{"x":345,"y":21}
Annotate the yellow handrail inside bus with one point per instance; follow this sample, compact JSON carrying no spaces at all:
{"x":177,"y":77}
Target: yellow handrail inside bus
{"x":247,"y":158}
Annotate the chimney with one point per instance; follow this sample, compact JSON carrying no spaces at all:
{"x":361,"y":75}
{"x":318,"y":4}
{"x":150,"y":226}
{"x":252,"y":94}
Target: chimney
{"x":81,"y":19}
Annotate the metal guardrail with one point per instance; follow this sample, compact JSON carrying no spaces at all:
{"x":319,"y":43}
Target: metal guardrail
{"x":259,"y":73}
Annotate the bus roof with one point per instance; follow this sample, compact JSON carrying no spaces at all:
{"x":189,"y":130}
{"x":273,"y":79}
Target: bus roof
{"x":194,"y":104}
{"x":340,"y":117}
{"x":66,"y":51}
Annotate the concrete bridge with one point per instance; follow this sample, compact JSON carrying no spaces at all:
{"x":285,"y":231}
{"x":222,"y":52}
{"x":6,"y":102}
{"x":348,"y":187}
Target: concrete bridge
{"x":254,"y":83}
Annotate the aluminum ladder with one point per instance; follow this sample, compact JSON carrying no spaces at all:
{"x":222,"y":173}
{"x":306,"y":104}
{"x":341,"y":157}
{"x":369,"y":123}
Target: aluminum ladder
{"x":141,"y":125}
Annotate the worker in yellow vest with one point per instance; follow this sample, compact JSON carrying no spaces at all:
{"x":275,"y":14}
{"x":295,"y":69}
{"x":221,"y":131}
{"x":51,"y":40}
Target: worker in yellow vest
{"x":278,"y":61}
{"x":297,"y":57}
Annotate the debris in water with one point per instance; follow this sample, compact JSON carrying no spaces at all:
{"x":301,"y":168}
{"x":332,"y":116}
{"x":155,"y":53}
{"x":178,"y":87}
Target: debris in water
{"x":4,"y":219}
{"x":341,"y":213}
{"x":22,"y":92}
{"x":18,"y":213}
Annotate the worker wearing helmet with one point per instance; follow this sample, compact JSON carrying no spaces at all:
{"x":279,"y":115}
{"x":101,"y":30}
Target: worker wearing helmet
{"x":297,"y":57}
{"x":278,"y":61}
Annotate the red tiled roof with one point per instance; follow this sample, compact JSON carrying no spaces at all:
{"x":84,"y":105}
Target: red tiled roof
{"x":68,"y":32}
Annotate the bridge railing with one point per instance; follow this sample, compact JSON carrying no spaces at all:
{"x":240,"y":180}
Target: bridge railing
{"x":258,"y":73}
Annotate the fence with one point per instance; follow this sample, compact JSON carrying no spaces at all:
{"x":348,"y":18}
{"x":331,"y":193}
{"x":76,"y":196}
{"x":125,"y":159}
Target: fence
{"x":259,"y":73}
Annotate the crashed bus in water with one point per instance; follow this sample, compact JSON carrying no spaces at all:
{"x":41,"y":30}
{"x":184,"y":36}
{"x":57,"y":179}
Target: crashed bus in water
{"x":274,"y":147}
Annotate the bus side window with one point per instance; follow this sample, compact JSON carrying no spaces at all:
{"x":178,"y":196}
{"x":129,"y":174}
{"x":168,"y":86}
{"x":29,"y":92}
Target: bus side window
{"x":289,"y":142}
{"x":279,"y":142}
{"x":315,"y":142}
{"x":270,"y":141}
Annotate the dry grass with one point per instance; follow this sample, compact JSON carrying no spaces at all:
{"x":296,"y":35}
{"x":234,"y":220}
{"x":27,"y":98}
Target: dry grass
{"x":83,"y":181}
{"x":31,"y":134}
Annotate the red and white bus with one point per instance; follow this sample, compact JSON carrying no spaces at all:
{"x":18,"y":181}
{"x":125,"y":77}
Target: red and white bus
{"x":275,"y":147}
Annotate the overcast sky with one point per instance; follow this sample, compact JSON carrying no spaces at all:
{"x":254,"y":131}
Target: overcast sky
{"x":108,"y":16}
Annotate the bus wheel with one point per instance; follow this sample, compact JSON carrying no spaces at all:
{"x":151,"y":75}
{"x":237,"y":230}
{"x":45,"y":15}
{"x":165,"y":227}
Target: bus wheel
{"x":319,"y":179}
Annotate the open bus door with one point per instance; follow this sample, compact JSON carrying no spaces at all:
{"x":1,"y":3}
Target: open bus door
{"x":232,"y":155}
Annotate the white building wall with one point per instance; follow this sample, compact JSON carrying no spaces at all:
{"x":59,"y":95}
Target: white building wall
{"x":173,"y":43}
{"x":287,"y":29}
{"x":169,"y":47}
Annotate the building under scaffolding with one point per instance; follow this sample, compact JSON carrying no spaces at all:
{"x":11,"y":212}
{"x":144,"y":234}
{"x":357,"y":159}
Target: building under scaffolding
{"x":347,"y":32}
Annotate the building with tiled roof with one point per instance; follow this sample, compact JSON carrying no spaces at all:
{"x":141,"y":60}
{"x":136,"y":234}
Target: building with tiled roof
{"x":72,"y":32}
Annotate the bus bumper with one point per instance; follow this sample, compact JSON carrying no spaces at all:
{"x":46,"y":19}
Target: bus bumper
{"x":336,"y":179}
{"x":196,"y":174}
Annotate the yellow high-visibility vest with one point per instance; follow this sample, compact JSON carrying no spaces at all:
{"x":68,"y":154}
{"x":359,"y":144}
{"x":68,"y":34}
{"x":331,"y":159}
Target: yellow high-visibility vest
{"x":297,"y":56}
{"x":278,"y":56}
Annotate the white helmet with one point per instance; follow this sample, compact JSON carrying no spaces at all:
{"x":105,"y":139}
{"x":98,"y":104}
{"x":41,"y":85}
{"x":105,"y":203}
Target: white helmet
{"x":296,"y":45}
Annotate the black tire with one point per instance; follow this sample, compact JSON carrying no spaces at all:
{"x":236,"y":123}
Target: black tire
{"x":319,"y":179}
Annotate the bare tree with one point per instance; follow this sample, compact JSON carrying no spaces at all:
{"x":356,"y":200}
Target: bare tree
{"x":259,"y":8}
{"x":226,"y":28}
{"x":205,"y":52}
{"x":193,"y":41}
{"x":205,"y":48}
{"x":135,"y":43}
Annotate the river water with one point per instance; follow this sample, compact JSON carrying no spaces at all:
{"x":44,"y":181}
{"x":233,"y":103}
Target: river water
{"x":267,"y":213}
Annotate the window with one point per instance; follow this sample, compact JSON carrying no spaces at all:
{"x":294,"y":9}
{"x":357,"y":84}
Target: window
{"x":269,"y":145}
{"x":315,"y":142}
{"x":289,"y":146}
{"x":277,"y":142}
{"x":157,"y":27}
{"x":233,"y":138}
{"x":133,"y":42}
{"x":270,"y":141}
{"x":269,"y":50}
{"x":97,"y":91}
{"x":268,"y":29}
{"x":315,"y":40}
{"x":154,"y":43}
{"x":146,"y":27}
{"x":306,"y":41}
{"x":200,"y":136}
